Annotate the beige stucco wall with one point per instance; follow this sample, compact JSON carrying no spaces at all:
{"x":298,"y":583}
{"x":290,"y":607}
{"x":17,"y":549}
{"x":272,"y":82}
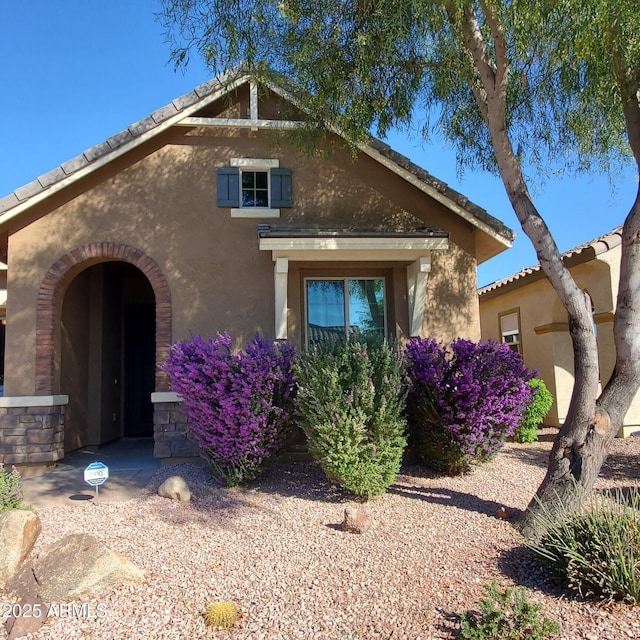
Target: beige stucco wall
{"x":546,"y":344}
{"x":161,"y":199}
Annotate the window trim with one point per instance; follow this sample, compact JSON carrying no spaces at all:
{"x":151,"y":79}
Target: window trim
{"x":344,"y":280}
{"x":503,"y":314}
{"x":255,"y":164}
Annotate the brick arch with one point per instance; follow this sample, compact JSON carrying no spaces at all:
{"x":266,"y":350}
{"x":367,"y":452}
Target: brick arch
{"x":89,"y":255}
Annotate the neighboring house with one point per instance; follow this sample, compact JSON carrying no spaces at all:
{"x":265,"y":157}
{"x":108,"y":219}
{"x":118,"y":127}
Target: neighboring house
{"x":3,"y":320}
{"x":203,"y":218}
{"x":524,"y":311}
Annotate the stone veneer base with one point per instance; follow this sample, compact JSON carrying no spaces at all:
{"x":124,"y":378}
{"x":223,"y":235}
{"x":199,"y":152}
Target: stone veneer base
{"x":169,"y":430}
{"x":32,"y":430}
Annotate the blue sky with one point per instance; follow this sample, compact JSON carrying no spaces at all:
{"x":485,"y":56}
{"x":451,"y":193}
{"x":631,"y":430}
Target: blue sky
{"x":75,"y":72}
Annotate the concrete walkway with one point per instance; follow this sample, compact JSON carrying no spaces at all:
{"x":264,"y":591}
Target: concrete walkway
{"x":131,"y":466}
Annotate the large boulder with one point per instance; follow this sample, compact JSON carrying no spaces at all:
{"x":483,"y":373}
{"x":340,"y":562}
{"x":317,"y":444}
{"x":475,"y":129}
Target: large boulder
{"x":176,"y":488}
{"x":74,"y":565}
{"x":19,"y":530}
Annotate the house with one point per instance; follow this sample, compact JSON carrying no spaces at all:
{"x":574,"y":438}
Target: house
{"x":524,"y":311}
{"x":202,"y":217}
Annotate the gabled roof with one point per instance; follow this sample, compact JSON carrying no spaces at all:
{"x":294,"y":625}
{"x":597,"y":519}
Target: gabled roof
{"x":181,"y":112}
{"x":578,"y":255}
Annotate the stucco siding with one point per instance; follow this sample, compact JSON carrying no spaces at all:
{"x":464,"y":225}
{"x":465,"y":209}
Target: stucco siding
{"x":162,"y":201}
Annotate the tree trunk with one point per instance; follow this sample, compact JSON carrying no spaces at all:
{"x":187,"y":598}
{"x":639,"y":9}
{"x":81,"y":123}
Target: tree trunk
{"x":582,"y":443}
{"x":578,"y":455}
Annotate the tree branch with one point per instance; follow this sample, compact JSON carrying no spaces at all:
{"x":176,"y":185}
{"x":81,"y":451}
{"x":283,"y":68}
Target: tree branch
{"x":500,"y":43}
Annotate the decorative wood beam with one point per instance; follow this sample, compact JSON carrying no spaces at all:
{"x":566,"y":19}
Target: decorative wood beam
{"x":253,"y":97}
{"x":247,"y":123}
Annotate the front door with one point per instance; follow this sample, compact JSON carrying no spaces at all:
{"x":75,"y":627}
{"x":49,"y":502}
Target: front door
{"x":139,"y":369}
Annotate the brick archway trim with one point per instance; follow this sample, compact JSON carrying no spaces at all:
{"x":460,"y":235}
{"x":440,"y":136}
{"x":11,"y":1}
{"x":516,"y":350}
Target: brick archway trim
{"x":48,"y":298}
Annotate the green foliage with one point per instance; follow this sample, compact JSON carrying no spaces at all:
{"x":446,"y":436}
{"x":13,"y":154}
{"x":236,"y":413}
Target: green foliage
{"x":221,"y":614}
{"x":506,"y":615}
{"x":597,"y":549}
{"x":535,"y":413}
{"x":351,"y":404}
{"x":10,"y":489}
{"x":372,"y":65}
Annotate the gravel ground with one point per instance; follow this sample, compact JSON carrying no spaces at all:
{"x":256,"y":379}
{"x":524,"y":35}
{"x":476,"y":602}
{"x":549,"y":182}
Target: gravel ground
{"x":276,"y":549}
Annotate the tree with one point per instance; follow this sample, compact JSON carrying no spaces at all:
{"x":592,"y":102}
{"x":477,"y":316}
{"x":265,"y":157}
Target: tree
{"x":516,"y":85}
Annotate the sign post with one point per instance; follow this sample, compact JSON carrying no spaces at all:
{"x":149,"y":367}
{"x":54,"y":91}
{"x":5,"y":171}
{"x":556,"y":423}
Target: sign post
{"x":96,"y":474}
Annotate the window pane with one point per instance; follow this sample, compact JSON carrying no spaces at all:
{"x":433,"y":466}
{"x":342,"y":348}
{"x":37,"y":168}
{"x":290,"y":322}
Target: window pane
{"x":248,"y":179}
{"x":248,"y":198}
{"x":261,"y":179}
{"x":325,"y":310}
{"x":261,"y":198}
{"x":366,"y":306}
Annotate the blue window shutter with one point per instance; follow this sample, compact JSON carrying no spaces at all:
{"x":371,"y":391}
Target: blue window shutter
{"x":281,"y":191}
{"x":228,"y":187}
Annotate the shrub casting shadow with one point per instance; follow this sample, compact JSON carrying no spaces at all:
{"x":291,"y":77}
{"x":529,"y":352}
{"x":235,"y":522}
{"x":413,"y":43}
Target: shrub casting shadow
{"x":299,"y":479}
{"x":532,"y":454}
{"x":449,"y":498}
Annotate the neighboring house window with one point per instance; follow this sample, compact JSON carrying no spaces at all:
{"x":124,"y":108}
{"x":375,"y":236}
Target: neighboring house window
{"x":510,"y":330}
{"x":344,"y":307}
{"x":254,"y":188}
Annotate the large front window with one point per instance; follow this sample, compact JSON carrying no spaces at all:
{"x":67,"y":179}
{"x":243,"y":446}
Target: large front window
{"x":344,"y":307}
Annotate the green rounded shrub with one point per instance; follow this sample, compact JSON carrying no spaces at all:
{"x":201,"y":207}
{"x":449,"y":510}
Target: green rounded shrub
{"x":535,"y":412}
{"x":351,"y":407}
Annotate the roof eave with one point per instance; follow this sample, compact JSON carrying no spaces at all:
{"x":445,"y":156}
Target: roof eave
{"x":44,"y":186}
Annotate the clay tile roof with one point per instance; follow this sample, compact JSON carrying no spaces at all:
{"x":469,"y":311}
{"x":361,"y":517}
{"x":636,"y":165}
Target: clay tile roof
{"x":444,"y":189}
{"x":586,"y":250}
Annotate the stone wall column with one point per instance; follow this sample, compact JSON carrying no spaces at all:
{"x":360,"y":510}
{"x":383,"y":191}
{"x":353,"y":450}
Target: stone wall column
{"x":170,"y":437}
{"x":32,"y":430}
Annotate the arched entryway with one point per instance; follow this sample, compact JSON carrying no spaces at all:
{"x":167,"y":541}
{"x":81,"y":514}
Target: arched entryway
{"x":103,"y":327}
{"x":107,"y":355}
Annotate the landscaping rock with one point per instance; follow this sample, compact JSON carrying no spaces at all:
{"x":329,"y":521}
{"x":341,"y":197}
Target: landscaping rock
{"x":75,"y":565}
{"x":356,"y":520}
{"x":31,"y":615}
{"x":176,"y":488}
{"x":19,"y":530}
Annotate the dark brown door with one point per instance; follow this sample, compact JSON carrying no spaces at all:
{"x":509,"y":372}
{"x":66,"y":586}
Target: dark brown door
{"x":139,"y":369}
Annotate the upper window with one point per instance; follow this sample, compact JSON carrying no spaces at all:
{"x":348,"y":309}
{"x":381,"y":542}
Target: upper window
{"x":254,"y":188}
{"x":510,"y":330}
{"x":343,"y":307}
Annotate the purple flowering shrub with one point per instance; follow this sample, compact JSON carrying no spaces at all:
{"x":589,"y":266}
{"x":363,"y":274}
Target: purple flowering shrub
{"x":10,"y":489}
{"x":350,"y":401}
{"x":463,"y":403}
{"x":238,"y":404}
